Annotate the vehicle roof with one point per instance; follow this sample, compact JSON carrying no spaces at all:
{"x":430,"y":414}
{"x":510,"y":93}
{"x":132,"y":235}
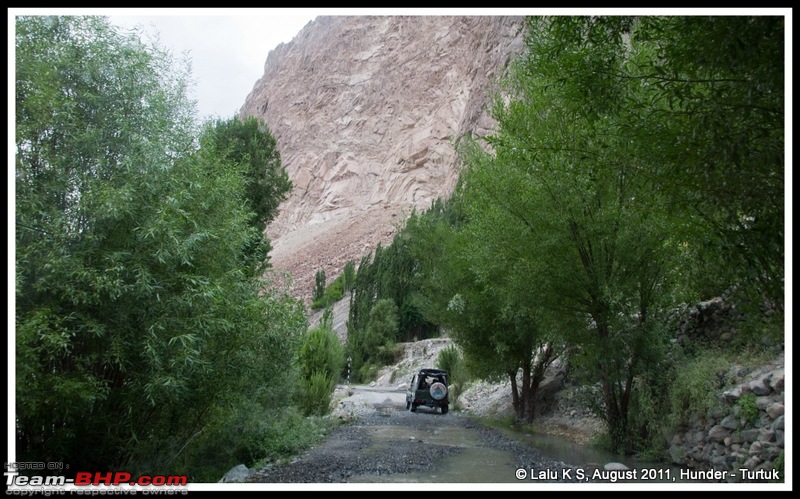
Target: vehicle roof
{"x":432,"y":371}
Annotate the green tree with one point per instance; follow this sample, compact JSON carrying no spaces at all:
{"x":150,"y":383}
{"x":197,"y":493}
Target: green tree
{"x":487,"y":304}
{"x":372,"y":344}
{"x":319,"y":284}
{"x":623,"y":149}
{"x":638,"y":141}
{"x":390,"y":273}
{"x":321,"y":358}
{"x":139,"y":328}
{"x":349,"y":275}
{"x":248,"y":142}
{"x":364,"y":293}
{"x":565,"y":213}
{"x":701,"y":98}
{"x":382,"y":325}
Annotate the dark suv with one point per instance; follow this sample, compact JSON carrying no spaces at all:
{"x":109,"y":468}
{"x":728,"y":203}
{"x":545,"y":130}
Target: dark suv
{"x":428,"y":387}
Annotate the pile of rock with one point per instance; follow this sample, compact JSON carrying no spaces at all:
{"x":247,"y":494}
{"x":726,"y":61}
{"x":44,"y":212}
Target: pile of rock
{"x":730,"y":439}
{"x":416,"y":355}
{"x":715,"y":319}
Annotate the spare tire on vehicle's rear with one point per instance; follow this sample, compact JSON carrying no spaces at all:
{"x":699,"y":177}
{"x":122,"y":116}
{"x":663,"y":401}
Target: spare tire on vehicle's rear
{"x":438,"y":391}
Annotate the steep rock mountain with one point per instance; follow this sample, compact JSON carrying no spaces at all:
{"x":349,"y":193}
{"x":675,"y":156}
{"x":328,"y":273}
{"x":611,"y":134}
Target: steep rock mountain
{"x":366,"y":111}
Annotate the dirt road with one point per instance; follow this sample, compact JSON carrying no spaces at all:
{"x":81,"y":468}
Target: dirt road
{"x":388,"y":444}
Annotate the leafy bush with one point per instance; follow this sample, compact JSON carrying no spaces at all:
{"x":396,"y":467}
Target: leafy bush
{"x":694,"y":389}
{"x":646,"y":422}
{"x":321,"y":358}
{"x":253,"y":437}
{"x":389,"y":353}
{"x":332,"y":293}
{"x":276,"y":437}
{"x":374,"y":345}
{"x":316,"y":394}
{"x":747,"y":407}
{"x":321,"y":351}
{"x":292,"y":433}
{"x":450,"y":360}
{"x":366,"y":372}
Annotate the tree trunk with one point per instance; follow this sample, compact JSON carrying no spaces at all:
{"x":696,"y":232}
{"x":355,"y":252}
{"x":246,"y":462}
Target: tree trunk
{"x":533,"y":375}
{"x":615,"y":419}
{"x":515,"y":397}
{"x":527,"y":400}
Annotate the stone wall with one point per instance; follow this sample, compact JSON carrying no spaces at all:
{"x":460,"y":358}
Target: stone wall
{"x":746,"y":432}
{"x":712,"y":320}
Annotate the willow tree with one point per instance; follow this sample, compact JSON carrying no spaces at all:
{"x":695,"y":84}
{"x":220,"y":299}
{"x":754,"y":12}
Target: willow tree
{"x":622,"y":145}
{"x":139,"y":324}
{"x":564,"y":209}
{"x":702,"y":99}
{"x":248,"y":143}
{"x":471,"y":288}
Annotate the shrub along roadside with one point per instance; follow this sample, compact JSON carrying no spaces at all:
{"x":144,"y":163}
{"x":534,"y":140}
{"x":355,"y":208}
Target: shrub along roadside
{"x":450,"y":360}
{"x":321,"y":358}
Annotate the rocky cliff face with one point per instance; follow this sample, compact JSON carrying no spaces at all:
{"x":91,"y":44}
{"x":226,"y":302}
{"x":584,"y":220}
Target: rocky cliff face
{"x":365,"y":110}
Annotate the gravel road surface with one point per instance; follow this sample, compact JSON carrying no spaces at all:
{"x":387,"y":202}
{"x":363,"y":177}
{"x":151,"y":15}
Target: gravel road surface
{"x":386,"y":443}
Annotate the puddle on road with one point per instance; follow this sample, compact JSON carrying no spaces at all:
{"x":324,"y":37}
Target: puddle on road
{"x":474,"y":464}
{"x":479,"y":464}
{"x":564,"y":450}
{"x":584,"y":456}
{"x":459,"y":437}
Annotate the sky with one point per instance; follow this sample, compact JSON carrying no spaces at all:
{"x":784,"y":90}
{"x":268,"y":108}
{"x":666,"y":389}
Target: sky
{"x":227,"y":48}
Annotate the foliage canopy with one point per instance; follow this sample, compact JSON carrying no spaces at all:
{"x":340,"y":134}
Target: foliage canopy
{"x":139,"y":322}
